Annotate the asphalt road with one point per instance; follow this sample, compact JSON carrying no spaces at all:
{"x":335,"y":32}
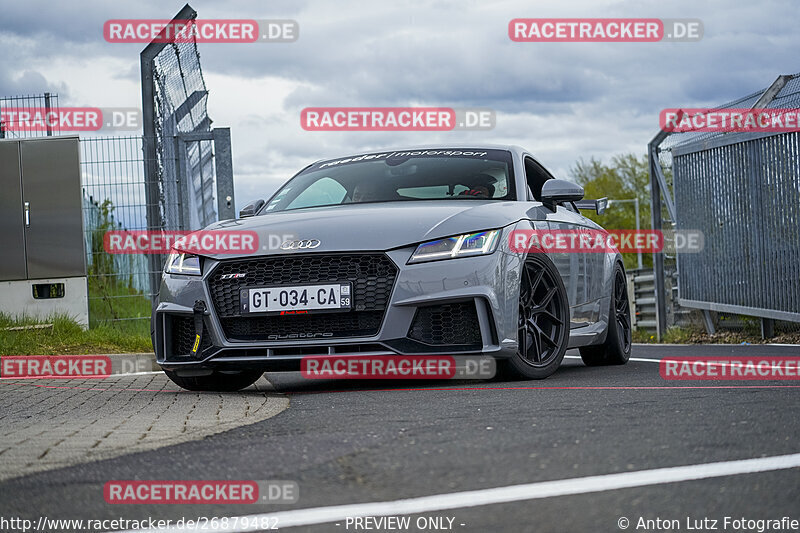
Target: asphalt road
{"x":359,"y":442}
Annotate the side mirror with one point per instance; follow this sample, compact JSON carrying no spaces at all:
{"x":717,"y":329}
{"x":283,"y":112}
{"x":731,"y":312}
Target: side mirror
{"x":555,"y":192}
{"x":251,"y":209}
{"x":599,"y":206}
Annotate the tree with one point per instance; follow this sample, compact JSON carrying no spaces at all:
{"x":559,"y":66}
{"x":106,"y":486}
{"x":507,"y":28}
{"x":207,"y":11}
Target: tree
{"x":626,"y":178}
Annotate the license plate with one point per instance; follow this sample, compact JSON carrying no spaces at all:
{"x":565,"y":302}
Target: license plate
{"x":297,"y":298}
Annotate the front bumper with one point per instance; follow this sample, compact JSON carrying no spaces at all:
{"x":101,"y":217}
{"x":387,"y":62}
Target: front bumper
{"x":430,"y":305}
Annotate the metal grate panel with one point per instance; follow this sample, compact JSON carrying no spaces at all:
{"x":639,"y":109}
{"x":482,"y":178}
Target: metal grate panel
{"x":182,"y":331}
{"x":745,"y":198}
{"x":448,"y":324}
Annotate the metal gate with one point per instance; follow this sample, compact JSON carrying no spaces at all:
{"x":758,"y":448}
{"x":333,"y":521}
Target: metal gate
{"x":742,"y":190}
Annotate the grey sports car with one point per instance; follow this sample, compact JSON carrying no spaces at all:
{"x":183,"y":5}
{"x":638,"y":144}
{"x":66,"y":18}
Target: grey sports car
{"x":396,"y":252}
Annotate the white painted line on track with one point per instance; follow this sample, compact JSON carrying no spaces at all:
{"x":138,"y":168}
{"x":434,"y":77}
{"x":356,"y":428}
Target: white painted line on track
{"x":512,"y":493}
{"x":637,"y":359}
{"x":738,"y":344}
{"x":712,"y":360}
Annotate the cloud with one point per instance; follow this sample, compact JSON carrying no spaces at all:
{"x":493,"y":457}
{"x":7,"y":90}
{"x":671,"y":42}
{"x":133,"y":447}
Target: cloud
{"x":563,"y":100}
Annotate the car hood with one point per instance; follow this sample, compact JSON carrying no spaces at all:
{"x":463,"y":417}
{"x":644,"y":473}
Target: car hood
{"x":378,"y":226}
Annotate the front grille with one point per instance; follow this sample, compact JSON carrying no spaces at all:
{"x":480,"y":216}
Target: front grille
{"x":448,"y":324}
{"x":372,"y":276}
{"x":182,"y":331}
{"x":356,"y":324}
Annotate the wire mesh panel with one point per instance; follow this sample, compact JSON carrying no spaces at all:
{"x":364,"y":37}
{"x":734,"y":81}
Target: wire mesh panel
{"x":180,"y":102}
{"x":26,"y":116}
{"x":742,"y":190}
{"x":202,"y":192}
{"x":114,"y":200}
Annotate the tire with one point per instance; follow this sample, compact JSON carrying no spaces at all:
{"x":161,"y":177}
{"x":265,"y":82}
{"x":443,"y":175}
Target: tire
{"x":616,"y":350}
{"x":216,"y":382}
{"x":543,"y":322}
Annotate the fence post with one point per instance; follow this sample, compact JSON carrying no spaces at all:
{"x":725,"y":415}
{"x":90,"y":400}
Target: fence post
{"x":655,"y":218}
{"x":151,"y":185}
{"x":223,"y":165}
{"x":708,"y":322}
{"x":47,"y":113}
{"x":184,"y":218}
{"x":767,"y":328}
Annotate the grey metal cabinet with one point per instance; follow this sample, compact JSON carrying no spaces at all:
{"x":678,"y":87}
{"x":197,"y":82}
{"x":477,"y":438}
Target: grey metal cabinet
{"x":41,"y":219}
{"x":12,"y":228}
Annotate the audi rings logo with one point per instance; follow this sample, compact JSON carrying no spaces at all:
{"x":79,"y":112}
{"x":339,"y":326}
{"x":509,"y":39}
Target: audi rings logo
{"x":306,"y":244}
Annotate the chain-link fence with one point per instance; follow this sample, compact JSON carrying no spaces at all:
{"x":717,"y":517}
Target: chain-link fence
{"x":742,"y":190}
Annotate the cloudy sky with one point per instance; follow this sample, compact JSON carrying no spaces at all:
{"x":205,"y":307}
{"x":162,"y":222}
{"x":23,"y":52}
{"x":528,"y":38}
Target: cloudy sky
{"x":562,"y":100}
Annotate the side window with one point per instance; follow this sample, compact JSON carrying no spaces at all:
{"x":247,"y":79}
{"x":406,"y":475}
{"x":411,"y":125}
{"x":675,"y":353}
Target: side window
{"x":535,"y":175}
{"x":325,"y":191}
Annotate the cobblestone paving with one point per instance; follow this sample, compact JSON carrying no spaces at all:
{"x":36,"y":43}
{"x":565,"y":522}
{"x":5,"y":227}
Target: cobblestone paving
{"x":52,"y":423}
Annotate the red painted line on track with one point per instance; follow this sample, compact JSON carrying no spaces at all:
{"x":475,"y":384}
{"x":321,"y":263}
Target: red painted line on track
{"x":423,"y":389}
{"x":631,"y":387}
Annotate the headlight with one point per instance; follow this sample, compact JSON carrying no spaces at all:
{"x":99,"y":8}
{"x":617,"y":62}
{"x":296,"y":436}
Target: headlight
{"x":183,"y":263}
{"x":481,"y":243}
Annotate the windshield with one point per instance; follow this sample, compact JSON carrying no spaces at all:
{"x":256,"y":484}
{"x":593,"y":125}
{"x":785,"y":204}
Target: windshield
{"x":400,"y":176}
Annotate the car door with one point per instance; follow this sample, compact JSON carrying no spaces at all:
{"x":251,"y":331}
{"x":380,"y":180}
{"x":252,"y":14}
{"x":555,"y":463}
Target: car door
{"x":597,"y":270}
{"x":576,"y":264}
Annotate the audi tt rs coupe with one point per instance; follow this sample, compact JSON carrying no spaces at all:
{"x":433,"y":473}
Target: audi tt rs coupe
{"x":396,"y":252}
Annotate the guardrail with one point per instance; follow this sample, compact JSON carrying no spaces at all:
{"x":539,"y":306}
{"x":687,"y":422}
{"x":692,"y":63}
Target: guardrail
{"x":642,"y":296}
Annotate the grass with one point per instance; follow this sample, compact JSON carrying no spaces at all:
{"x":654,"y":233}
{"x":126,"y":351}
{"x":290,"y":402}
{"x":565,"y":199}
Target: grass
{"x":67,"y":337}
{"x":677,"y":335}
{"x":643,"y":336}
{"x":119,"y":322}
{"x":744,"y":335}
{"x":673,"y":335}
{"x":109,"y":301}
